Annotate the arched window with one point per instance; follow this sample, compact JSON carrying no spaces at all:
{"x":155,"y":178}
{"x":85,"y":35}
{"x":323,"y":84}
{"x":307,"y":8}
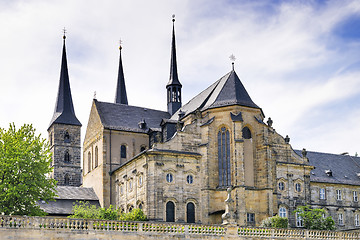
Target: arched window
{"x":140,"y":206}
{"x":96,"y":156}
{"x":89,"y":161}
{"x":282,"y":212}
{"x":170,"y":212}
{"x":190,"y":212}
{"x":123,"y":151}
{"x":131,"y":207}
{"x":66,"y":137}
{"x":246,"y":133}
{"x":224,"y":157}
{"x":67,"y":156}
{"x":66,"y":179}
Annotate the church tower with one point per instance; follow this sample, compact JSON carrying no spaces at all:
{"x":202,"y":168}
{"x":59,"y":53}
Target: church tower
{"x":64,"y":133}
{"x":120,"y":96}
{"x":173,"y":87}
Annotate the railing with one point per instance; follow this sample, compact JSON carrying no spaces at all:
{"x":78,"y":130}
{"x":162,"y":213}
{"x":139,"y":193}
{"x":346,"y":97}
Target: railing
{"x":67,"y":224}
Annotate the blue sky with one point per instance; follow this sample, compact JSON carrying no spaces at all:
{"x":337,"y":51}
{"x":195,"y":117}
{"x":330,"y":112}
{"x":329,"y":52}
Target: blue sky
{"x":299,"y":60}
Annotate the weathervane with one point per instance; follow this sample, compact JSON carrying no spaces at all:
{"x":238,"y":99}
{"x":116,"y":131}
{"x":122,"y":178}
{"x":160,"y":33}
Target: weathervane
{"x":64,"y":31}
{"x":232,"y":58}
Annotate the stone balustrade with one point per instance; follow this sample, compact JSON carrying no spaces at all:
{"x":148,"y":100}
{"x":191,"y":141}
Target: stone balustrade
{"x":146,"y":229}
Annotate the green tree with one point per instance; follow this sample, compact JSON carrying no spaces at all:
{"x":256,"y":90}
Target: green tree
{"x":314,"y":218}
{"x":24,"y":166}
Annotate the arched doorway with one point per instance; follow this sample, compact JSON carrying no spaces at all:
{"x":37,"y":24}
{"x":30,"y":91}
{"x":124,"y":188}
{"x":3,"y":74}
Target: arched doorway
{"x":190,"y":212}
{"x":170,"y":212}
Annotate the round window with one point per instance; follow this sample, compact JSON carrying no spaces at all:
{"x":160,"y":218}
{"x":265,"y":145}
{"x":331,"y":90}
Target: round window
{"x":169,"y":177}
{"x":189,"y":179}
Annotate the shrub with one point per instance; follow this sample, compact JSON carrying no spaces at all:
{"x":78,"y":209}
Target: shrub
{"x":314,"y":218}
{"x":275,"y":222}
{"x":87,"y":211}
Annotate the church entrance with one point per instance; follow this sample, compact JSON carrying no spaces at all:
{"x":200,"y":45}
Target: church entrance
{"x":190,"y":213}
{"x":170,"y":211}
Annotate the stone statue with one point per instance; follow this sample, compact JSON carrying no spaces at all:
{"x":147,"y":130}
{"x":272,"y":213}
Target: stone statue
{"x":229,"y":215}
{"x":269,"y":122}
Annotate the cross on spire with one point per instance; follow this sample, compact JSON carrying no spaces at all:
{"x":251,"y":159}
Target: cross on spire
{"x":232,"y":58}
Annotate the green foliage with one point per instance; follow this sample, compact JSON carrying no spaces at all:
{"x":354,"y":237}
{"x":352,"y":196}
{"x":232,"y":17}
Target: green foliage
{"x":275,"y":222}
{"x":24,"y":166}
{"x":88,"y":211}
{"x":314,"y":218}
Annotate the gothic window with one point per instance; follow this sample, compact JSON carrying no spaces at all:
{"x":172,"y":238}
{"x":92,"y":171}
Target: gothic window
{"x":96,"y":156}
{"x":67,"y":156}
{"x":140,"y":181}
{"x":246,"y":133}
{"x":123,"y":151}
{"x":170,"y":212}
{"x":282,"y":212}
{"x":66,"y":179}
{"x":89,"y":161}
{"x":190,"y":212}
{"x":224,"y":157}
{"x":66,"y":137}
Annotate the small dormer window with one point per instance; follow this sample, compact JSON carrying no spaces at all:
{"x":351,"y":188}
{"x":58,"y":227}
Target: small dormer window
{"x":142,"y":124}
{"x":66,"y":137}
{"x":328,"y":172}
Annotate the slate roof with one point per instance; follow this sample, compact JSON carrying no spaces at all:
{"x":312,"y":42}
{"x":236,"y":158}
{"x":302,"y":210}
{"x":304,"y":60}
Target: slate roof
{"x":124,"y":117}
{"x":344,"y":168}
{"x":64,"y":110}
{"x":67,"y":197}
{"x":227,"y":91}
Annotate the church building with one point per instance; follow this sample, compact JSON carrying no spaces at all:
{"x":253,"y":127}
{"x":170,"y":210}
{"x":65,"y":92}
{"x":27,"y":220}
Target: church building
{"x":177,"y":164}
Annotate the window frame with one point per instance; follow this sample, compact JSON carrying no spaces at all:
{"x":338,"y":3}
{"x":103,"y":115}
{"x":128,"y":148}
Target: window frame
{"x":169,"y":178}
{"x":281,"y":185}
{"x":338,"y":195}
{"x":322,"y":194}
{"x":340,"y":219}
{"x":190,"y":179}
{"x":250,"y":217}
{"x":355,"y":196}
{"x":283,"y":212}
{"x":356,"y":220}
{"x":298,"y":187}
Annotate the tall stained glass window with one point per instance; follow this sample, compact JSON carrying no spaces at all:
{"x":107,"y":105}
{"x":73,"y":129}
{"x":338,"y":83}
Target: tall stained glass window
{"x":224,"y":157}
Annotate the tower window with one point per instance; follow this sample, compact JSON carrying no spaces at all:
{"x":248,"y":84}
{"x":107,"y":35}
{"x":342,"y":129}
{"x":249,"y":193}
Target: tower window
{"x":96,"y":156}
{"x":246,"y":133}
{"x":67,"y":157}
{"x":89,"y":161}
{"x":66,"y":137}
{"x":224,"y":157}
{"x":123,"y":151}
{"x":66,"y":180}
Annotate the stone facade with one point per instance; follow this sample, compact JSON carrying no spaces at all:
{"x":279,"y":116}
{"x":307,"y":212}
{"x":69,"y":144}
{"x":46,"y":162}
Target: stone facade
{"x":66,"y":153}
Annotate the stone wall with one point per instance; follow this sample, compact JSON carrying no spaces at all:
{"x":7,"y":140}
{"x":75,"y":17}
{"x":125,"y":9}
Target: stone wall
{"x":46,"y":228}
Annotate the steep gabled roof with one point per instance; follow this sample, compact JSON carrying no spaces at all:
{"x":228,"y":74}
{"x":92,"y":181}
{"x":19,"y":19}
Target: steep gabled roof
{"x":64,"y":110}
{"x":344,"y":168}
{"x":227,"y":91}
{"x":127,"y":118}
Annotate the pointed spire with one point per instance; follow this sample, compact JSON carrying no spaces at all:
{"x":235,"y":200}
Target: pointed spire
{"x":174,"y":86}
{"x":120,"y":96}
{"x":64,"y":110}
{"x":174,"y":80}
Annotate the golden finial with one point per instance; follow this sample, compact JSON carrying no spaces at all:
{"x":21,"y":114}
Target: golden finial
{"x":120,"y":42}
{"x":64,"y":31}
